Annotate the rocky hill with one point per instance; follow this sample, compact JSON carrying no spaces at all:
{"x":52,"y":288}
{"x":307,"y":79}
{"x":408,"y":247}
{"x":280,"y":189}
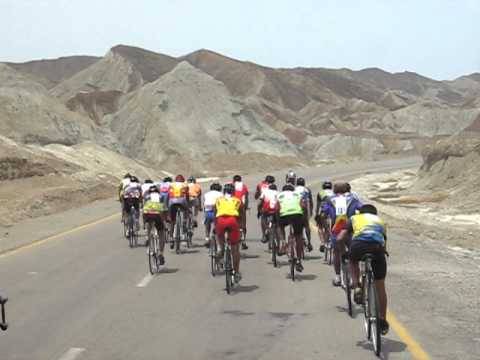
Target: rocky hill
{"x":207,"y":113}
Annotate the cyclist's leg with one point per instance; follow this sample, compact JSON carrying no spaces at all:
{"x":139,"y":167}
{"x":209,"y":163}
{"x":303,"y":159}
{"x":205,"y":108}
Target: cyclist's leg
{"x":137,"y":214}
{"x":282,"y":223}
{"x":160,"y":225}
{"x":297,"y":222}
{"x":220,"y":227}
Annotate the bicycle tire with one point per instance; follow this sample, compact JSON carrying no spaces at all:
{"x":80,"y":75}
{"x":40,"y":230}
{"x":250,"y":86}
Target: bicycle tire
{"x":152,"y":261}
{"x":178,"y":228}
{"x":347,"y":287}
{"x":189,"y":231}
{"x":228,"y":270}
{"x":130,"y":229}
{"x":212,"y":250}
{"x":274,"y":248}
{"x":366,"y":308}
{"x":374,"y":322}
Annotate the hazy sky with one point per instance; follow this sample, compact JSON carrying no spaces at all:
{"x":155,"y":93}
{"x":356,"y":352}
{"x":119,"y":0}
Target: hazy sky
{"x":437,"y":38}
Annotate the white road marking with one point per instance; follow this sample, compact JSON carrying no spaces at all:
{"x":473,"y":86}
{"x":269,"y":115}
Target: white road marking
{"x":72,"y":354}
{"x":145,"y":280}
{"x":32,"y":273}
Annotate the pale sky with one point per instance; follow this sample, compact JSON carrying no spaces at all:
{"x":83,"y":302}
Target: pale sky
{"x":436,"y":38}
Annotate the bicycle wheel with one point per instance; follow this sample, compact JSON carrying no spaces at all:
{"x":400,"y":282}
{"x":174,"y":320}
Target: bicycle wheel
{"x":131,"y":234}
{"x":347,"y":286}
{"x":189,"y":230}
{"x":228,"y":270}
{"x":274,"y":240}
{"x":152,"y":261}
{"x":374,"y":318}
{"x":366,"y":307}
{"x":178,"y":230}
{"x":293,"y":260}
{"x":212,"y":252}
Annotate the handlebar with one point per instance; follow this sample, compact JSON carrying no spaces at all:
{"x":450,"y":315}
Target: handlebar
{"x":3,"y":323}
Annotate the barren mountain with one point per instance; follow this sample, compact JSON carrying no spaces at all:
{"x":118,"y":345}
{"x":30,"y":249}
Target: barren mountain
{"x":51,"y":72}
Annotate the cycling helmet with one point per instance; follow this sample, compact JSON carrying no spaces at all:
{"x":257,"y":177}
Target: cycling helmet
{"x":272,"y":187}
{"x":191,"y":179}
{"x":368,"y":209}
{"x":179,"y":178}
{"x":167,"y":179}
{"x":148,"y":181}
{"x":327,"y":185}
{"x":216,"y":186}
{"x":127,"y":175}
{"x":340,"y":188}
{"x":269,"y":179}
{"x":228,"y":189}
{"x":237,"y":178}
{"x":301,"y":181}
{"x":134,"y":179}
{"x":153,"y":188}
{"x":288,"y":187}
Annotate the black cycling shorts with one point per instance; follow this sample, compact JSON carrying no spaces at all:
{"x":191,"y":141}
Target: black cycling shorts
{"x":296,"y":220}
{"x":129,"y":202}
{"x":379,"y":263}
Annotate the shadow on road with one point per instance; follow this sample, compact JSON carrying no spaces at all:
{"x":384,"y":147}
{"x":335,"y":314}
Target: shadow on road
{"x":388,"y":346}
{"x":355,"y":311}
{"x":301,"y":277}
{"x":168,"y":271}
{"x":244,"y":288}
{"x":248,"y":256}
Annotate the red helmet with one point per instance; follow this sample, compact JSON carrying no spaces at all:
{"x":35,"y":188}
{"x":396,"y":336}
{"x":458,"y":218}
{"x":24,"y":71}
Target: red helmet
{"x":179,"y":178}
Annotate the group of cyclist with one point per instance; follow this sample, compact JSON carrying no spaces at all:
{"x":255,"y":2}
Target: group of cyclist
{"x":344,"y":223}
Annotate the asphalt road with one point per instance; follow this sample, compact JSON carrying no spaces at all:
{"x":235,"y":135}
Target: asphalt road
{"x":86,"y":295}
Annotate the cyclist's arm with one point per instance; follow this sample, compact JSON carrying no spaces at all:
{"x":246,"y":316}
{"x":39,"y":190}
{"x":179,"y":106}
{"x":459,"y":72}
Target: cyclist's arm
{"x":310,"y":201}
{"x":257,"y":192}
{"x":246,"y":200}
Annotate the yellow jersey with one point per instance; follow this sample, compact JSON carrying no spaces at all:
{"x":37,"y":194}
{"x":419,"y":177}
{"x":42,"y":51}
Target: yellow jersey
{"x":228,"y":206}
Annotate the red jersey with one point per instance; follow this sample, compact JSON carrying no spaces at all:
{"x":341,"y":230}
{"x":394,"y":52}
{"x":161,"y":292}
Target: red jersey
{"x":241,"y":191}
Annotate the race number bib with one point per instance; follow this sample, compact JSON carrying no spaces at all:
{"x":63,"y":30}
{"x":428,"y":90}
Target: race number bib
{"x":341,"y":206}
{"x":155,"y":197}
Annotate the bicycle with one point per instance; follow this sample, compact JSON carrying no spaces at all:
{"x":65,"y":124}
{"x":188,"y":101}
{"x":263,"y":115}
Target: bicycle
{"x":272,"y":238}
{"x":3,"y":323}
{"x":132,"y":231}
{"x":292,"y":248}
{"x":346,"y":282}
{"x":189,"y":234}
{"x":155,"y":240}
{"x":370,"y":303}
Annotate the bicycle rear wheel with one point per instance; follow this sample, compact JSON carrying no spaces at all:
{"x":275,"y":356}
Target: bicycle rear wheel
{"x":293,"y":260}
{"x":212,"y":252}
{"x":274,"y":240}
{"x":152,"y":261}
{"x":374,"y":319}
{"x":131,"y":235}
{"x":366,"y":307}
{"x":347,"y":286}
{"x":178,"y":230}
{"x":228,"y":270}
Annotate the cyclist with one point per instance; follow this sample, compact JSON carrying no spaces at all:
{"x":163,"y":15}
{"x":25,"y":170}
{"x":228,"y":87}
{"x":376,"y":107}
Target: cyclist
{"x":290,"y":212}
{"x":153,"y":211}
{"x":341,"y":207}
{"x":267,"y":206}
{"x":321,"y":217}
{"x":369,"y":235}
{"x":209,"y":200}
{"x":178,"y":199}
{"x":195,"y":195}
{"x":306,"y":195}
{"x":263,"y":185}
{"x":121,"y":188}
{"x":133,"y":197}
{"x":145,"y":188}
{"x":291,"y":178}
{"x":227,"y":211}
{"x":241,"y":193}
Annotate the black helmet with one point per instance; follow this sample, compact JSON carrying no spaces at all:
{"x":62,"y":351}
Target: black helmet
{"x":191,"y":179}
{"x":368,"y":209}
{"x":167,"y":179}
{"x":269,"y":179}
{"x":148,"y":181}
{"x":237,"y":178}
{"x":153,"y":188}
{"x":134,"y":179}
{"x":272,"y":187}
{"x":288,"y":187}
{"x":327,"y":185}
{"x":216,"y":186}
{"x":301,"y":181}
{"x":127,"y":175}
{"x":349,"y":188}
{"x":228,"y":189}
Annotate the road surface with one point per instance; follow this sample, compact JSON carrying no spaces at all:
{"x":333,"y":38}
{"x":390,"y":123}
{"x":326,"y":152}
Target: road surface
{"x":85,"y":295}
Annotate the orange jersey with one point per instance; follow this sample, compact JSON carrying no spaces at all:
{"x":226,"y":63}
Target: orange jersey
{"x":178,"y":190}
{"x":194,"y":190}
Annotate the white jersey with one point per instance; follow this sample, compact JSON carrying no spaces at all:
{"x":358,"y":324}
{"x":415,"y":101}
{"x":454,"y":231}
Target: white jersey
{"x":270,"y":199}
{"x":145,"y":188}
{"x":125,"y":183}
{"x":210,"y":198}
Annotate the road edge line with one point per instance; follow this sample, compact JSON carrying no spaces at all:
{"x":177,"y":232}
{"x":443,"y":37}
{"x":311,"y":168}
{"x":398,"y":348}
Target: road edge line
{"x":38,"y":242}
{"x":413,"y":346}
